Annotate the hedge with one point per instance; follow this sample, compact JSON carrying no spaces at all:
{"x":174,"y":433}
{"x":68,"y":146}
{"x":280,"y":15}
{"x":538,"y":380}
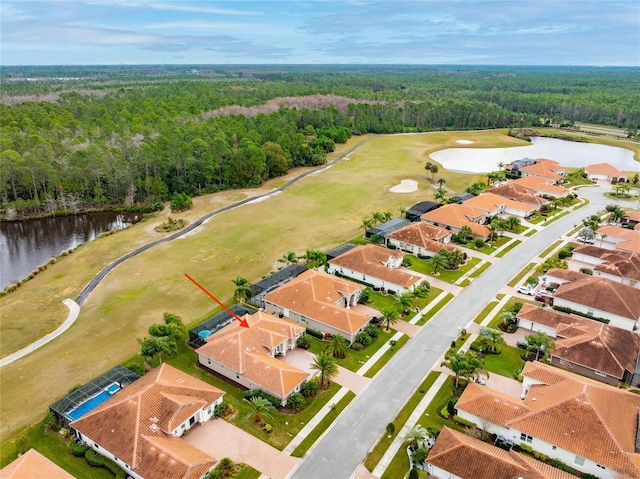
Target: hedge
{"x":573,"y":311}
{"x":258,"y":393}
{"x":463,"y":422}
{"x":96,"y":460}
{"x":78,"y":450}
{"x":315,"y":333}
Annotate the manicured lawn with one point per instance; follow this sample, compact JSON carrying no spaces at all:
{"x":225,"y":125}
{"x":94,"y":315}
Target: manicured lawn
{"x":380,"y":302}
{"x":506,"y":362}
{"x":508,"y":248}
{"x":480,"y":270}
{"x":486,"y":310}
{"x":248,"y":472}
{"x":546,"y":252}
{"x":422,"y":266}
{"x":531,"y":232}
{"x":283,"y":433}
{"x":432,"y":312}
{"x":388,"y":354}
{"x":322,"y":426}
{"x":507,"y":307}
{"x":381,"y":447}
{"x":524,"y":272}
{"x":355,"y":359}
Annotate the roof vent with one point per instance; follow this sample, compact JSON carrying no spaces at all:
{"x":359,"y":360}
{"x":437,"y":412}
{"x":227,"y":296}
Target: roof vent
{"x":179,"y":380}
{"x":154,"y":428}
{"x":247,"y":349}
{"x":534,"y":399}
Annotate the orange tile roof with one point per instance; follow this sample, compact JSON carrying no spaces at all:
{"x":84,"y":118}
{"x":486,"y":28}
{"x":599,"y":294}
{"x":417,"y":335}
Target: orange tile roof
{"x":631,"y":246}
{"x":494,"y":406}
{"x":314,"y":294}
{"x":487,"y":202}
{"x":575,"y":414}
{"x":545,"y":168}
{"x":33,"y":465}
{"x":471,"y":458}
{"x":603,"y":294}
{"x":566,"y":274}
{"x":604,"y":169}
{"x":614,"y":231}
{"x":457,"y":216}
{"x":622,"y":264}
{"x":246,"y":352}
{"x":541,"y":185}
{"x":131,"y":424}
{"x":424,"y":235}
{"x":369,"y":259}
{"x":632,"y":215}
{"x":520,"y":193}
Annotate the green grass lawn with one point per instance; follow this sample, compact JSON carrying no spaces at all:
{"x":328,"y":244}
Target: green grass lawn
{"x":385,"y":441}
{"x":520,"y":276}
{"x":480,"y":270}
{"x":508,"y":306}
{"x":547,"y":251}
{"x":485,"y":311}
{"x":432,"y":312}
{"x":388,"y":354}
{"x":531,"y":232}
{"x":355,"y":359}
{"x":322,"y":426}
{"x":422,"y":266}
{"x":248,"y":472}
{"x":508,"y":248}
{"x":381,"y":301}
{"x":506,"y":362}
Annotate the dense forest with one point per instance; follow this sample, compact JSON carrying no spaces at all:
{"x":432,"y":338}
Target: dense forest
{"x":74,"y":137}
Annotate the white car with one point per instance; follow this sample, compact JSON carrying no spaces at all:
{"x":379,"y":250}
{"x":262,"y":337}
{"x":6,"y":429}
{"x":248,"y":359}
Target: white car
{"x":526,"y":290}
{"x":586,"y":240}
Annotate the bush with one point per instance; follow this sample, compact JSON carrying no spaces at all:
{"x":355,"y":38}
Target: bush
{"x":589,"y":476}
{"x":463,"y":422}
{"x":564,"y":254}
{"x":540,"y":457}
{"x":364,"y":339}
{"x":157,"y":206}
{"x":372,"y":330}
{"x":561,"y":465}
{"x":248,"y":395}
{"x":221,"y":409}
{"x":315,"y":333}
{"x":391,"y":246}
{"x":296,"y":402}
{"x":78,"y":450}
{"x":526,"y":448}
{"x":419,"y":455}
{"x":357,"y":347}
{"x":51,"y":422}
{"x":451,"y":405}
{"x":444,"y":412}
{"x":96,"y":460}
{"x":586,"y":271}
{"x":181,"y":202}
{"x":422,"y":256}
{"x":309,"y":388}
{"x":268,"y":428}
{"x":479,"y":243}
{"x":413,"y":473}
{"x":53,"y":261}
{"x":407,"y":261}
{"x":136,"y":368}
{"x":304,"y":341}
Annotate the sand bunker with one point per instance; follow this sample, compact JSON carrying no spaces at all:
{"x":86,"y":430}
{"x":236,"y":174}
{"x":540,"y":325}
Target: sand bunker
{"x":405,"y":186}
{"x":465,"y":142}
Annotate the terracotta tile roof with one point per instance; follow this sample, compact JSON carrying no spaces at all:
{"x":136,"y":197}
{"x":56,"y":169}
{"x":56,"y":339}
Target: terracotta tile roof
{"x":470,"y":458}
{"x":575,"y":414}
{"x":494,"y":406}
{"x":541,"y":185}
{"x":424,"y":235}
{"x":544,"y":316}
{"x":314,"y":294}
{"x":614,"y":231}
{"x":631,"y":246}
{"x":246,"y":351}
{"x":457,"y":216}
{"x":519,"y":193}
{"x":566,"y":274}
{"x":487,"y":202}
{"x":622,"y":264}
{"x":130,"y":424}
{"x":632,"y":215}
{"x":544,"y":168}
{"x":604,"y":169}
{"x":603,"y":294}
{"x":33,"y":465}
{"x":600,"y":253}
{"x":370,"y":260}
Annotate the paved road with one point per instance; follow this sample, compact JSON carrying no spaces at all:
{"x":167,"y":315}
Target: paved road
{"x":344,"y":447}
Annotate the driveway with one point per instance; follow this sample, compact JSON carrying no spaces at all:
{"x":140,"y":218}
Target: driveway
{"x":220,"y":439}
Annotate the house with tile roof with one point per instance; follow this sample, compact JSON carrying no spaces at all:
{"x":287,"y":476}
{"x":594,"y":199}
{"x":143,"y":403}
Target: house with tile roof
{"x":631,"y":219}
{"x":32,"y":465}
{"x":622,"y":238}
{"x":320,"y":301}
{"x":620,"y":266}
{"x":454,"y":216}
{"x":421,"y":239}
{"x":456,"y":455}
{"x":139,"y":427}
{"x":520,"y":193}
{"x":587,"y":347}
{"x":495,"y":205}
{"x":248,"y":356}
{"x":377,"y":266}
{"x":605,"y":172}
{"x":554,"y":277}
{"x":564,"y":416}
{"x":601,"y":298}
{"x":546,"y":169}
{"x":541,"y":186}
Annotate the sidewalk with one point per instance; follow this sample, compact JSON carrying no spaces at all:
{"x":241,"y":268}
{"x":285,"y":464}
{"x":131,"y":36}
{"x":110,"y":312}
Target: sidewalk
{"x":413,"y":419}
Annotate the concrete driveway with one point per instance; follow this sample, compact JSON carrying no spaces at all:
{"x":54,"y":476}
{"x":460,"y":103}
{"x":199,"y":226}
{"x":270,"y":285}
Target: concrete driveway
{"x":220,"y":439}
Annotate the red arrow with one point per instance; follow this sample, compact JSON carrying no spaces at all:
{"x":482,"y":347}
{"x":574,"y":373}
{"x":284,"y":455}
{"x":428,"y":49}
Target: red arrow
{"x":243,"y":322}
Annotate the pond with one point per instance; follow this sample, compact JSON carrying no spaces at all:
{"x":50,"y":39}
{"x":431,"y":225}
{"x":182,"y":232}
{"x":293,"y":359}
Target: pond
{"x":567,"y":153}
{"x":26,"y":244}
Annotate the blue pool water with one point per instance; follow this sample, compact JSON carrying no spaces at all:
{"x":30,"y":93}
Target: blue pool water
{"x":114,"y":388}
{"x":87,"y":406}
{"x":204,"y":333}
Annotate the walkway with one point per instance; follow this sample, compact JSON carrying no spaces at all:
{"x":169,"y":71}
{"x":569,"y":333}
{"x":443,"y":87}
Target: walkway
{"x":74,"y":310}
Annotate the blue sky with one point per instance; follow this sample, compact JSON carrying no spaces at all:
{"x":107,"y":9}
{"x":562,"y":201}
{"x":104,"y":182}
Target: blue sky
{"x":524,"y":32}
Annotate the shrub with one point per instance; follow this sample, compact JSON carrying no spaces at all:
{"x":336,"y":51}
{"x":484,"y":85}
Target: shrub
{"x":463,"y":422}
{"x":357,"y":347}
{"x":526,"y":448}
{"x":372,"y":330}
{"x":136,"y":368}
{"x":451,"y":405}
{"x":564,"y":254}
{"x":78,"y":450}
{"x":561,"y":465}
{"x":221,"y":409}
{"x":248,"y":395}
{"x":413,"y":473}
{"x":419,"y":455}
{"x":391,"y":246}
{"x":51,"y":422}
{"x":157,"y":206}
{"x":364,"y":339}
{"x":444,"y":412}
{"x":96,"y":460}
{"x":407,"y":261}
{"x":304,"y":341}
{"x":268,"y":428}
{"x":296,"y":402}
{"x":422,"y":256}
{"x":181,"y":202}
{"x":589,"y":476}
{"x":540,"y":457}
{"x":586,"y":271}
{"x":53,"y":261}
{"x":517,"y":306}
{"x":309,"y":388}
{"x":479,"y":243}
{"x":315,"y":333}
{"x":391,"y":428}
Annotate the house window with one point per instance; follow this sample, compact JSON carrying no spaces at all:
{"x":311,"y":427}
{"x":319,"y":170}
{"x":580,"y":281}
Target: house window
{"x":208,"y":360}
{"x":600,"y":466}
{"x":561,"y":362}
{"x":526,"y":438}
{"x":579,"y":461}
{"x":600,"y":373}
{"x":590,"y":312}
{"x":554,"y":447}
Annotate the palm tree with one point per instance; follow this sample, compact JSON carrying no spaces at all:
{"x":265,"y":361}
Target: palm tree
{"x":615,"y":212}
{"x":422,"y":290}
{"x":592,"y":222}
{"x":288,"y":258}
{"x":437,"y":261}
{"x":539,"y":342}
{"x":387,"y":215}
{"x":261,"y":407}
{"x":434,"y":170}
{"x":243,"y":289}
{"x":366,"y":223}
{"x":428,"y":167}
{"x":417,"y":436}
{"x":389,"y":317}
{"x":494,"y":336}
{"x":463,"y":365}
{"x":439,"y":195}
{"x":465,"y":233}
{"x":377,"y":217}
{"x":603,"y":236}
{"x":326,"y":366}
{"x":338,"y":347}
{"x":441,"y":181}
{"x":405,"y":301}
{"x":513,"y":222}
{"x":500,"y":165}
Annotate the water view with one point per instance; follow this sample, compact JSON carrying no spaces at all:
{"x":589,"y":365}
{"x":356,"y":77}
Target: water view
{"x":567,"y":153}
{"x":24,"y":245}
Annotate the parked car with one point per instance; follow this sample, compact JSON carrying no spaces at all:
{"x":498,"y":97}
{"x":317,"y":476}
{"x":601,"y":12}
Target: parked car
{"x":544,"y":296}
{"x":586,"y":240}
{"x":526,"y":290}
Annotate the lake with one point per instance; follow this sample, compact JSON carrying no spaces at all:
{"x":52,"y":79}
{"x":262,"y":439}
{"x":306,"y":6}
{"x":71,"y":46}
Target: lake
{"x":567,"y":153}
{"x":26,"y":244}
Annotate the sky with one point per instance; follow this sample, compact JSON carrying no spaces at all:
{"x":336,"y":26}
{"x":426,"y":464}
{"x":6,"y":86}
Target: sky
{"x":480,"y":32}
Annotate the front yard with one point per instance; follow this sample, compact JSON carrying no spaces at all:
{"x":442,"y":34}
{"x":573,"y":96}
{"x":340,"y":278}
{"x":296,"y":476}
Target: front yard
{"x":422,"y":266}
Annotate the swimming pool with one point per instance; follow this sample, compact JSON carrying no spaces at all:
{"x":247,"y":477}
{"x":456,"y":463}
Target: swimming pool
{"x":88,"y":405}
{"x":113,"y":388}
